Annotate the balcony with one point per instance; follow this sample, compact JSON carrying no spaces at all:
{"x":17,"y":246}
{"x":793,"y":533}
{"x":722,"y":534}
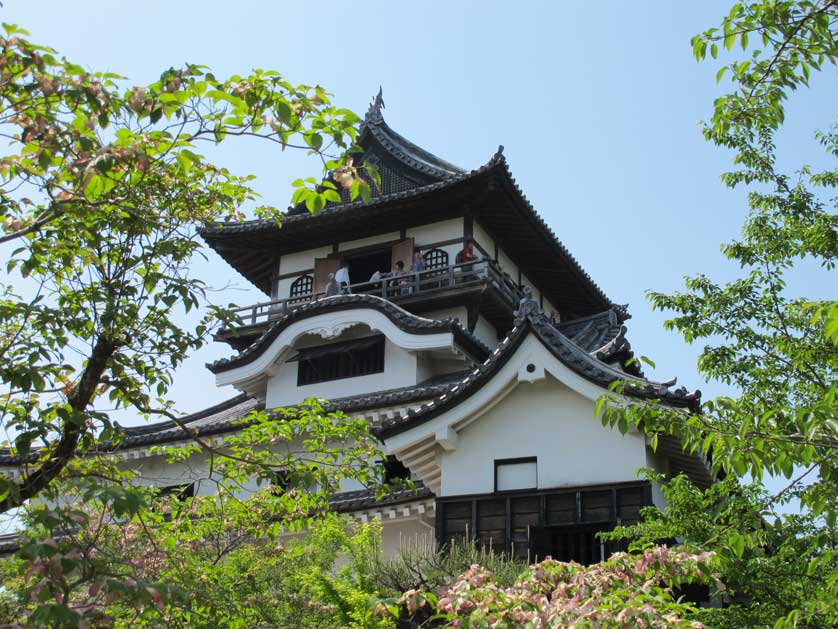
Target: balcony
{"x":481,"y":282}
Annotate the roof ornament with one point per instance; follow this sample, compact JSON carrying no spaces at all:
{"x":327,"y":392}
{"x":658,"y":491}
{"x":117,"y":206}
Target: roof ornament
{"x":527,"y":307}
{"x":374,"y":112}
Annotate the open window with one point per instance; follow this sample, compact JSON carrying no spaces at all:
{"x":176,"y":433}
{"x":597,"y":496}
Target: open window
{"x":363,"y":266}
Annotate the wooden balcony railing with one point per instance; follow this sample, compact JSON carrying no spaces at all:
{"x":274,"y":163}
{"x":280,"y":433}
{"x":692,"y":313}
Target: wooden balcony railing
{"x":409,"y":286}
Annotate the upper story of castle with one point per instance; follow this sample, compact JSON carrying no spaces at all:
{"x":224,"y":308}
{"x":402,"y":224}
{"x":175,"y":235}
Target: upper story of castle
{"x":435,"y":242}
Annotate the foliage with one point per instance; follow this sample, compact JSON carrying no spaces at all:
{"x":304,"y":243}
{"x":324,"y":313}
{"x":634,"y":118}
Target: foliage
{"x":623,"y":591}
{"x":422,"y":566}
{"x":771,"y":339}
{"x":102,"y":189}
{"x":114,"y":552}
{"x":765,"y":562}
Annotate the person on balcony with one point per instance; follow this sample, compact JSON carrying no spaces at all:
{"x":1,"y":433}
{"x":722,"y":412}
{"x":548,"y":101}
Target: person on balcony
{"x":342,"y":277}
{"x":462,"y":260}
{"x":467,"y":254}
{"x":332,"y":288}
{"x":419,"y":263}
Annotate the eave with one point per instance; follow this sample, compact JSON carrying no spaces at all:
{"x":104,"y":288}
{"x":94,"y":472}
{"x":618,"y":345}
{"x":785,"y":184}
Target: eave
{"x":489,"y":193}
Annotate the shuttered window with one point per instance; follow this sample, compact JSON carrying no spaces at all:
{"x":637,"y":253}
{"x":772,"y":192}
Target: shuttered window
{"x":530,"y":525}
{"x":336,"y":361}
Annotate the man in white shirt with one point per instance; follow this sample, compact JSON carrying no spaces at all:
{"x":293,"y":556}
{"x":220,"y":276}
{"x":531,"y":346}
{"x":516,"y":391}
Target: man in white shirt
{"x":342,"y":277}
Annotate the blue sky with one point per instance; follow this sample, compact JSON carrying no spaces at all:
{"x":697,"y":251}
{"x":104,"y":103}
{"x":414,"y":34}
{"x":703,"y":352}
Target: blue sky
{"x":597,"y":105}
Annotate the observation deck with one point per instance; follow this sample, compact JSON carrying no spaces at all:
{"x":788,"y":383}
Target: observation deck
{"x":480,"y":285}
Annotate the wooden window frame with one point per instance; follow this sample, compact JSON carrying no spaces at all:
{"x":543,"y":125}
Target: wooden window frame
{"x":306,"y":279}
{"x":516,"y":461}
{"x":377,"y":366}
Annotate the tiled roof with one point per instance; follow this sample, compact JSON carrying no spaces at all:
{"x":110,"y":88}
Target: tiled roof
{"x":566,"y":351}
{"x":225,"y":417}
{"x":401,"y":317}
{"x":417,"y":175}
{"x":603,"y":336}
{"x":344,"y":502}
{"x":365,"y":498}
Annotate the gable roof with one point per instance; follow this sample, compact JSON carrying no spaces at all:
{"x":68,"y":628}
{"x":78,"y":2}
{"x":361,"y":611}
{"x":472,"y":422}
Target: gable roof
{"x":573,"y":356}
{"x":403,"y":319}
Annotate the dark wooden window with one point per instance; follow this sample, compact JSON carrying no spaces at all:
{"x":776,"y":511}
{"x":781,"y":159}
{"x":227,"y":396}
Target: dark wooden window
{"x":436,"y":259}
{"x":279,"y":481}
{"x":394,"y":470}
{"x":303,"y":285}
{"x":561,"y":523}
{"x":179,"y":492}
{"x":340,"y":360}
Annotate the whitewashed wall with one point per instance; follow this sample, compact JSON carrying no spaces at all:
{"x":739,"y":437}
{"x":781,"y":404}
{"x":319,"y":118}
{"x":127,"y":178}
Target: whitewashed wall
{"x":404,"y":534}
{"x":366,"y":242}
{"x":157,"y":471}
{"x":424,"y":235}
{"x":547,"y":420}
{"x":486,"y":332}
{"x":482,"y":237}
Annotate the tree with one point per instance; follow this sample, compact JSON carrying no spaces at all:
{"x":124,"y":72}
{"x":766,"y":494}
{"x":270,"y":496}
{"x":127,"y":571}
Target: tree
{"x":102,"y":190}
{"x":105,"y":549}
{"x":772,"y":342}
{"x":623,"y":591}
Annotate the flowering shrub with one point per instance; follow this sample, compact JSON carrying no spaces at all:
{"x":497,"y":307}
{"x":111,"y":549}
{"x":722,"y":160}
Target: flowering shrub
{"x":625,"y":591}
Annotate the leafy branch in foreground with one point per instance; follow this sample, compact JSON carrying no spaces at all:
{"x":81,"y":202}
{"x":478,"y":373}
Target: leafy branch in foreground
{"x":102,"y":190}
{"x":108,"y":549}
{"x":771,"y":337}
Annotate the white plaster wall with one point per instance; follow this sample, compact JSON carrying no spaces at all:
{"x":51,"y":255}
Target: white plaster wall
{"x":366,"y":242}
{"x":483,"y":330}
{"x":547,"y":420}
{"x":459,"y":312}
{"x":550,"y":309}
{"x":436,"y":232}
{"x":404,"y":534}
{"x":156,"y":470}
{"x":400,"y":370}
{"x":483,"y":238}
{"x":302,"y":260}
{"x":425,"y":368}
{"x":507,"y":265}
{"x":660,"y":463}
{"x":486,"y":332}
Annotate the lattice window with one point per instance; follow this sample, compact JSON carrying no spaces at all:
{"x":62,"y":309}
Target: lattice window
{"x":436,"y":259}
{"x":303,"y":285}
{"x":340,"y":360}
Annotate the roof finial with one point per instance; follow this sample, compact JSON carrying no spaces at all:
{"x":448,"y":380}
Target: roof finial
{"x":374,"y":112}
